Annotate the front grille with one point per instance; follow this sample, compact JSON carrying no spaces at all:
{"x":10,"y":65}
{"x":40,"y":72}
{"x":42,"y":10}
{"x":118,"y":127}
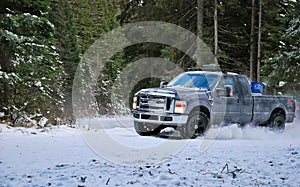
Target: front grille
{"x":154,"y":103}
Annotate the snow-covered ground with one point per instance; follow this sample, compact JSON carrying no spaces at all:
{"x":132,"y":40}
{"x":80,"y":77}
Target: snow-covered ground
{"x":61,"y":156}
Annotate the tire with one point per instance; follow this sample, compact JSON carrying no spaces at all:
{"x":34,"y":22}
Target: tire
{"x":276,"y":122}
{"x":197,"y":124}
{"x":143,"y":129}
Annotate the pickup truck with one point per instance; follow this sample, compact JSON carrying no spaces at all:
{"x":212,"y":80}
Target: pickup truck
{"x":196,"y":100}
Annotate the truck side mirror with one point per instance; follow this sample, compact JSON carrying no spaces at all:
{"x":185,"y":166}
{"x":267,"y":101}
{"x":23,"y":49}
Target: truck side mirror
{"x":229,"y":90}
{"x":163,"y":84}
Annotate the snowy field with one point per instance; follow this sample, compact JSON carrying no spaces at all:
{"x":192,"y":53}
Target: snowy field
{"x":61,"y":156}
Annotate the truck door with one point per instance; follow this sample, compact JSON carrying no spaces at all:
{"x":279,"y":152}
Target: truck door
{"x":233,"y":104}
{"x":246,"y":100}
{"x":227,"y":103}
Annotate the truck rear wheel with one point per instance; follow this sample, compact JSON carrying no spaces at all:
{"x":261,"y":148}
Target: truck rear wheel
{"x":197,"y":124}
{"x":277,"y":122}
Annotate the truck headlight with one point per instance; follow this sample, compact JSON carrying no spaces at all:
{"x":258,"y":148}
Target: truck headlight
{"x":134,"y":103}
{"x":180,"y":107}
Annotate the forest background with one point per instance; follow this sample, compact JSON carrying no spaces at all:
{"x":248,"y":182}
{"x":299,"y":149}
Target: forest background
{"x":43,"y":41}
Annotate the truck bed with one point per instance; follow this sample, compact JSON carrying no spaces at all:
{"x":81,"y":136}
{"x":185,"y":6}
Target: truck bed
{"x":263,"y":103}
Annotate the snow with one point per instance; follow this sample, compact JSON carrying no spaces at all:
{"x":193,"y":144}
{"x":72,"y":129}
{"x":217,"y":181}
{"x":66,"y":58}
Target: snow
{"x":36,"y":45}
{"x":38,"y":84}
{"x":282,"y":43}
{"x":42,"y":122}
{"x":33,"y":16}
{"x":227,"y":156}
{"x":281,"y":83}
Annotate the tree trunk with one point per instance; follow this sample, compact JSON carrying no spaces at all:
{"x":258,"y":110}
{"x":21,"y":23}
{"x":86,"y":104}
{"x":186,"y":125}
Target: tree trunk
{"x":198,"y":54}
{"x":258,"y":42}
{"x":252,"y":44}
{"x":200,"y":18}
{"x":216,"y":27}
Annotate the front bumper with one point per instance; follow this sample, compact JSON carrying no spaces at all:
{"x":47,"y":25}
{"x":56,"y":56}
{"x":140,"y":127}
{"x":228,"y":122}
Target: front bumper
{"x":160,"y":119}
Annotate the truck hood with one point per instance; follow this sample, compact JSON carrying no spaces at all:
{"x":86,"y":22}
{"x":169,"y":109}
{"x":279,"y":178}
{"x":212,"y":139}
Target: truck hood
{"x":176,"y":92}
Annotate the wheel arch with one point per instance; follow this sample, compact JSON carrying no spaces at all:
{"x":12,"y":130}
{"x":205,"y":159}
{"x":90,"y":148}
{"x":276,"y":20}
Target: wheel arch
{"x":203,"y":109}
{"x":278,"y":110}
{"x":277,"y":120}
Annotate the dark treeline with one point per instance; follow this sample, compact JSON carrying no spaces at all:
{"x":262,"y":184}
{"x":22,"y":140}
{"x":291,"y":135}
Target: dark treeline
{"x":42,"y":42}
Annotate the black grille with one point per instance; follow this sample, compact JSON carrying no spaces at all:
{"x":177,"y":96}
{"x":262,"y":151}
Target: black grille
{"x":150,"y":117}
{"x":166,"y":118}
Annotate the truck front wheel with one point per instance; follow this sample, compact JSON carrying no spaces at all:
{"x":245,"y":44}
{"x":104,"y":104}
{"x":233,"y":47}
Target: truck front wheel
{"x":146,"y":129}
{"x":276,"y":122}
{"x":197,"y":124}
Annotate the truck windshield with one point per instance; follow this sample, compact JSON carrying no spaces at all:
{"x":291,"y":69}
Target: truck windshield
{"x":193,"y":80}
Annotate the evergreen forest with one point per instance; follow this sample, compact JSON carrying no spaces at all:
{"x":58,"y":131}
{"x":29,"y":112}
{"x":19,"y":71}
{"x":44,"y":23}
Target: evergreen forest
{"x":43,"y":41}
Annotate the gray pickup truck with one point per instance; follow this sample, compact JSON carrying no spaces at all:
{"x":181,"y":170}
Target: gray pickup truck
{"x":194,"y":101}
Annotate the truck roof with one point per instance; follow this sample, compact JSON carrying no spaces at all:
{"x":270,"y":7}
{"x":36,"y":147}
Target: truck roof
{"x":211,"y":72}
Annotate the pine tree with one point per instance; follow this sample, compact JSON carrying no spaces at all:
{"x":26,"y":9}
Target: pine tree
{"x":66,"y":44}
{"x":30,"y":69}
{"x":93,"y":19}
{"x":282,"y":62}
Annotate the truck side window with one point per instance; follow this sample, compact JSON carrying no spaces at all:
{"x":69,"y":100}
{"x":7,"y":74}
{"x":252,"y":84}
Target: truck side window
{"x":244,"y":86}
